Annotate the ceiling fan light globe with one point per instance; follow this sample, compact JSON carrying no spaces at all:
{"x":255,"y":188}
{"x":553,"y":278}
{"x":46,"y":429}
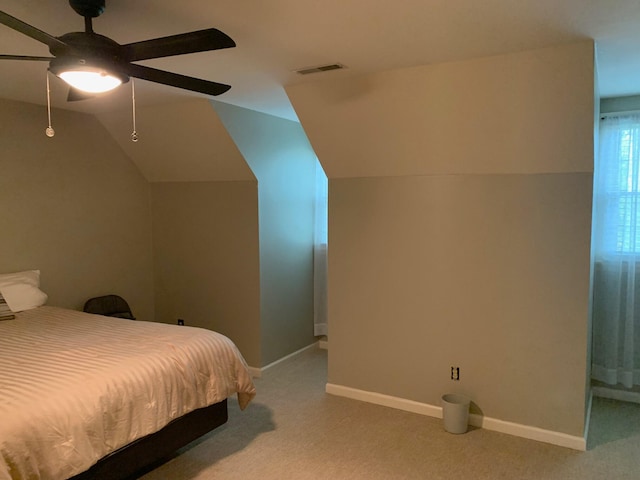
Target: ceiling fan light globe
{"x":90,"y":81}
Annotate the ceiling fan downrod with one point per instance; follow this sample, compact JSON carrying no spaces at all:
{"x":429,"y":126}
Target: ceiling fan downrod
{"x":88,"y":9}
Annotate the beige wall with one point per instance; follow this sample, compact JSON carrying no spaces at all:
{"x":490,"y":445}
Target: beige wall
{"x":282,"y":160}
{"x":75,"y":207}
{"x":78,"y":208}
{"x":459,"y":230}
{"x":205,"y":224}
{"x":206,"y":253}
{"x":489,"y":273}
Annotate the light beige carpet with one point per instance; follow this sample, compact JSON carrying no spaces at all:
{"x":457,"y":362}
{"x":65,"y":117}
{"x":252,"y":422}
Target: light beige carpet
{"x":294,"y":430}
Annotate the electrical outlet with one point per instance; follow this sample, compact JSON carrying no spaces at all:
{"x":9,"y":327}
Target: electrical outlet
{"x":455,"y":373}
{"x":180,"y":321}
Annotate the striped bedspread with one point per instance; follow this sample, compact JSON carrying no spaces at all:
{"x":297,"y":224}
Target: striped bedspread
{"x":75,"y":387}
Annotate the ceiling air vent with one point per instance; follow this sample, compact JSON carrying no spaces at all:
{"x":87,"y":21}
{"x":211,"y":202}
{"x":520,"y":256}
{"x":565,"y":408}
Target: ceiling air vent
{"x":321,"y":68}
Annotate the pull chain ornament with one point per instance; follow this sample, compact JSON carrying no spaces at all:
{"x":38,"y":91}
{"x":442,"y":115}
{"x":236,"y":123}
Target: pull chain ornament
{"x":49,"y":131}
{"x":134,"y":134}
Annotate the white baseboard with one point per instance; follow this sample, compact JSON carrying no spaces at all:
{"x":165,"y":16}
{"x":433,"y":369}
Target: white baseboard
{"x":384,"y":400}
{"x":614,"y":394}
{"x":323,"y":344}
{"x":516,"y":429}
{"x":256,"y":372}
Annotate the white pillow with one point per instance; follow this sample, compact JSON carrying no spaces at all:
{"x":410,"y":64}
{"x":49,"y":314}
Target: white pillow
{"x":30,"y":277}
{"x":20,"y":290}
{"x":22,"y":296}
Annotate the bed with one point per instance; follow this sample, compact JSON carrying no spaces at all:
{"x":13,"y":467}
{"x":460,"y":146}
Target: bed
{"x":86,"y":396}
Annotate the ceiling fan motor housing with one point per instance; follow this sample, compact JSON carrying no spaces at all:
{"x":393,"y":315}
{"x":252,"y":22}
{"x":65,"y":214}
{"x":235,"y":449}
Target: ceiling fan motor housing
{"x":86,"y":43}
{"x":88,"y":8}
{"x":88,"y":50}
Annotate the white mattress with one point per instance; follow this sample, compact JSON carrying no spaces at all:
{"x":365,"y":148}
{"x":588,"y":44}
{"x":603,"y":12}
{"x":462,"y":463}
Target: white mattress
{"x":75,"y":387}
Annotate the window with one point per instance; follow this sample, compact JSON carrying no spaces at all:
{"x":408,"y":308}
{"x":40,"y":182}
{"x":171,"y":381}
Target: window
{"x":617,"y":186}
{"x":616,"y":246}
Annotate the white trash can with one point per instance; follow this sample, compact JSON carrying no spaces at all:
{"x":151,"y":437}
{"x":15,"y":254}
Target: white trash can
{"x":455,"y":412}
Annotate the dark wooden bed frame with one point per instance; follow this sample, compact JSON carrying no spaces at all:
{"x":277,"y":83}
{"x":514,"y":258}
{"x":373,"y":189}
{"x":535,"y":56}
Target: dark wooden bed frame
{"x":147,"y":451}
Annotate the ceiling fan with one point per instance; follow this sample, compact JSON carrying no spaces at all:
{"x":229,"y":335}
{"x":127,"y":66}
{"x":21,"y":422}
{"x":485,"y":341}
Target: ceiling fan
{"x":93,"y":63}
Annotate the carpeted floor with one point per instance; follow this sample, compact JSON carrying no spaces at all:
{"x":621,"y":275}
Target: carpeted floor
{"x":294,"y":430}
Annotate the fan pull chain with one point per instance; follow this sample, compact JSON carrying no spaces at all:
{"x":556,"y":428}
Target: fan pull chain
{"x":134,"y":134}
{"x":49,"y":130}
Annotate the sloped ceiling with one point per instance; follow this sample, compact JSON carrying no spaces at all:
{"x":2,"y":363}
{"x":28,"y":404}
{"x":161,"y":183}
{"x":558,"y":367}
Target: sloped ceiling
{"x":424,"y":120}
{"x":276,"y":37}
{"x":181,"y":141}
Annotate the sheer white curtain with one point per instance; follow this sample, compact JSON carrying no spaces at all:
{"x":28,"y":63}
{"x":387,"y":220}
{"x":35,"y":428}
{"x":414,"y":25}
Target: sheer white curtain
{"x":320,"y":252}
{"x":616,"y":300}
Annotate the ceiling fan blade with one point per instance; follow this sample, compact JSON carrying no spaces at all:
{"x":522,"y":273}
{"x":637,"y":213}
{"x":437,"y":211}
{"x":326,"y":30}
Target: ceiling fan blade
{"x":76,"y":95}
{"x":30,"y":31}
{"x":176,"y":80}
{"x":25,"y":57}
{"x":199,"y":41}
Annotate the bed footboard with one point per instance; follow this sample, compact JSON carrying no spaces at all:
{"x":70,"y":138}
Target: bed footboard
{"x":132,"y":458}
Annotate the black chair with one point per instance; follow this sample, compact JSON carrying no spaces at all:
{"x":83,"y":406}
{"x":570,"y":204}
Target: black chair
{"x":110,"y":306}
